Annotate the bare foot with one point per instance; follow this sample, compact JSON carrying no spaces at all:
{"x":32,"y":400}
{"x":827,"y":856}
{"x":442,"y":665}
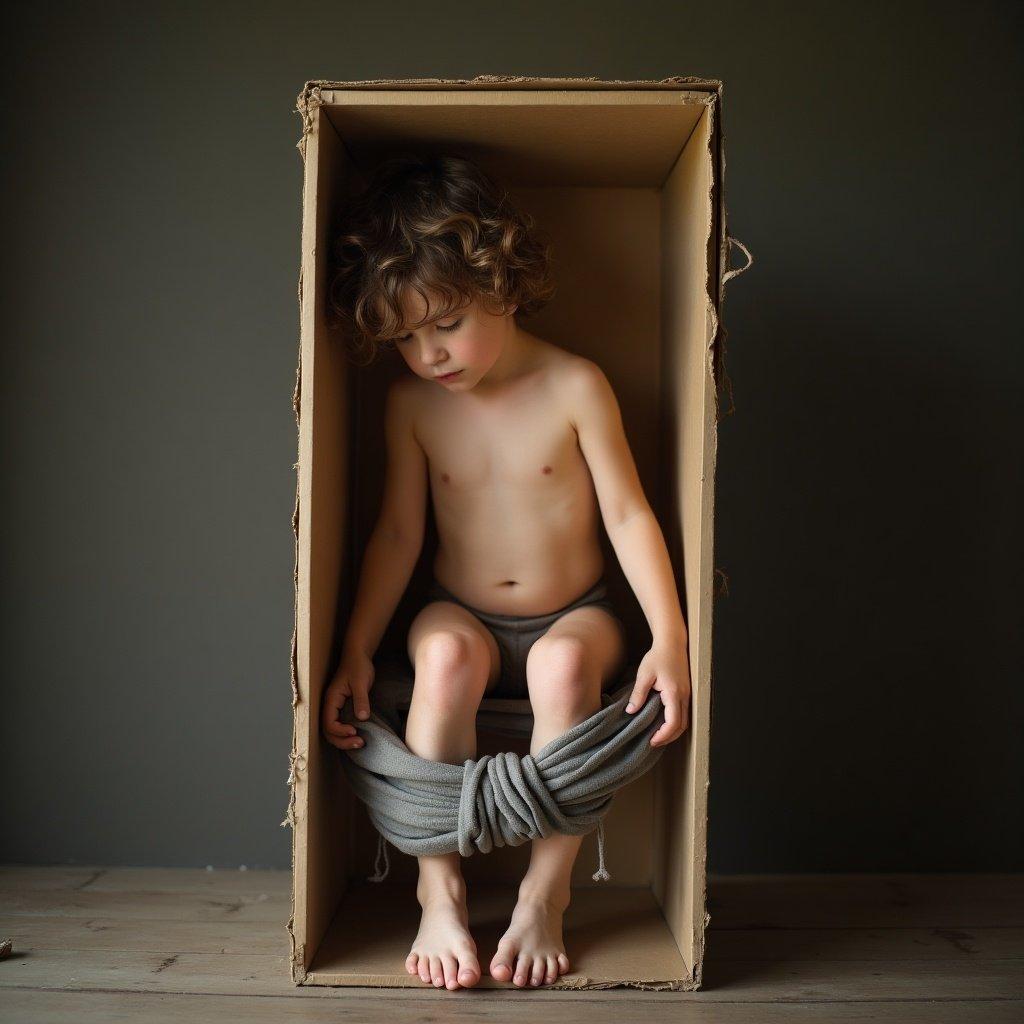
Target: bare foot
{"x":444,"y":951}
{"x":532,"y":945}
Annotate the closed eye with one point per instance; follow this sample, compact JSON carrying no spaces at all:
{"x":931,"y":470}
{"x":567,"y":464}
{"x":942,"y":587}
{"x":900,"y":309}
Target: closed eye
{"x":451,"y":327}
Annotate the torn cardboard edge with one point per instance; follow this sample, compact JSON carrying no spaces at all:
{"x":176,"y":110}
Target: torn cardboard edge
{"x":310,"y":97}
{"x":564,"y":984}
{"x":296,"y":952}
{"x":312,"y":88}
{"x":307,"y":102}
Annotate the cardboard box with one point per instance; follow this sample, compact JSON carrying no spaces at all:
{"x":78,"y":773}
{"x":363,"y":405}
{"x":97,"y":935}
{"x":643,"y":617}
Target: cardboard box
{"x":626,"y":179}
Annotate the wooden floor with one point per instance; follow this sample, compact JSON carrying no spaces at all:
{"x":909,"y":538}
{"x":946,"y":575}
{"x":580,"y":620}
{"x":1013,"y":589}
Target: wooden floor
{"x":133,"y":944}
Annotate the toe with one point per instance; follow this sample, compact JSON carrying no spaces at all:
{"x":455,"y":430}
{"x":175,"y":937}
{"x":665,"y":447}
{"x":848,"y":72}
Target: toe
{"x":436,"y":971}
{"x":504,"y":962}
{"x":424,"y":969}
{"x":563,"y":963}
{"x":537,"y":974}
{"x":500,"y":970}
{"x":451,"y":970}
{"x":522,"y":974}
{"x":411,"y":963}
{"x":469,"y":970}
{"x":552,"y":970}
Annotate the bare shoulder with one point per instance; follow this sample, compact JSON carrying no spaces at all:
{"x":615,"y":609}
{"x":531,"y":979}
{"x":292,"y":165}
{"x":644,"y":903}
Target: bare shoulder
{"x":567,"y":371}
{"x":582,"y":384}
{"x":585,"y":374}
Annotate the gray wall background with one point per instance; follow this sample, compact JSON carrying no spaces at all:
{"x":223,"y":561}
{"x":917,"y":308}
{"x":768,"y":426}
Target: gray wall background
{"x":867,"y":703}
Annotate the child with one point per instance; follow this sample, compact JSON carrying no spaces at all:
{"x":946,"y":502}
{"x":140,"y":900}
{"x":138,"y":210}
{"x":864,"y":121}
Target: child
{"x":523,"y":445}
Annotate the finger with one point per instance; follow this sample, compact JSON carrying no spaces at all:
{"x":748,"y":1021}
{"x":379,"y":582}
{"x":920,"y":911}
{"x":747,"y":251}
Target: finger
{"x":343,"y":741}
{"x":361,"y":703}
{"x":684,"y":713}
{"x":340,"y":728}
{"x":668,"y":730}
{"x":333,"y":703}
{"x":661,"y":738}
{"x":350,"y":743}
{"x":638,"y":697}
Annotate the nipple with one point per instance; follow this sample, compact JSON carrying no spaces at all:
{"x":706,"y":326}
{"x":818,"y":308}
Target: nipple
{"x":546,"y":469}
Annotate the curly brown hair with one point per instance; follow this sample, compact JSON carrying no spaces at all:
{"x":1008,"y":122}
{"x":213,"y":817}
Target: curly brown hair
{"x":440,"y":225}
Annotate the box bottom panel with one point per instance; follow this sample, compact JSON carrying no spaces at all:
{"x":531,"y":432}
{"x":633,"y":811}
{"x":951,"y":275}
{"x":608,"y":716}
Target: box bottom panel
{"x":614,"y":935}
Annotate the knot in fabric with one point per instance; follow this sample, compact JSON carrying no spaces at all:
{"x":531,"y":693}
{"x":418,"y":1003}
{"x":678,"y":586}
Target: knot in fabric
{"x":504,"y":801}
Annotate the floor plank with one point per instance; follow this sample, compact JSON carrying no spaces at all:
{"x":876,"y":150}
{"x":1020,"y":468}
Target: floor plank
{"x":574,"y":1008}
{"x":22,"y":876}
{"x":242,"y":883}
{"x":145,"y":905}
{"x":866,"y":901}
{"x":114,"y":879}
{"x":882,"y":944}
{"x":229,"y":937}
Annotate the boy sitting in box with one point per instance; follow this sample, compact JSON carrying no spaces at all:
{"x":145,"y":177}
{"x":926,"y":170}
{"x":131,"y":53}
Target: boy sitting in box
{"x":522,"y":443}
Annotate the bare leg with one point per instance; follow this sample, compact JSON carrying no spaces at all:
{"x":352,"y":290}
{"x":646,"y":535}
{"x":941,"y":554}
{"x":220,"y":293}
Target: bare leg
{"x":452,"y":660}
{"x":565,"y":670}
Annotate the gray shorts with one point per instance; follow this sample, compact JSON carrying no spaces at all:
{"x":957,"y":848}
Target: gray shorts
{"x":516,"y":634}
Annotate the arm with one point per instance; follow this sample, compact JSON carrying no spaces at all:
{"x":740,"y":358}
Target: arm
{"x":638,"y":542}
{"x":397,"y":539}
{"x":388,"y":562}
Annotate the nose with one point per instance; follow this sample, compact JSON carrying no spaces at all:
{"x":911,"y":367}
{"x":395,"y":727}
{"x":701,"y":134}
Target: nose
{"x":433,"y":356}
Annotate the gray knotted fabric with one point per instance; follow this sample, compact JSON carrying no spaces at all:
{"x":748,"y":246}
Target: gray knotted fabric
{"x":429,"y":807}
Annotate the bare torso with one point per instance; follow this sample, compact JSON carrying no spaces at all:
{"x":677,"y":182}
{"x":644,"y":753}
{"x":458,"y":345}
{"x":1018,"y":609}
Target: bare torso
{"x":514,"y":502}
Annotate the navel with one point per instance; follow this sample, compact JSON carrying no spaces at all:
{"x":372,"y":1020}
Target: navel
{"x":445,"y":477}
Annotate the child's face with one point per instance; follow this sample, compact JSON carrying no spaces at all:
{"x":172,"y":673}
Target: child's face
{"x":467,"y":343}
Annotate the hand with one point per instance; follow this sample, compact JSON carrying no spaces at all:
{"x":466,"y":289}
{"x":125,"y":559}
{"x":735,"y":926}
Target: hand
{"x":666,"y":668}
{"x":354,"y":679}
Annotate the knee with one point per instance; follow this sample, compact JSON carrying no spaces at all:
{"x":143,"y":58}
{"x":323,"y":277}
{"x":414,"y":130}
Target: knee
{"x":561,"y":675}
{"x":450,"y":665}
